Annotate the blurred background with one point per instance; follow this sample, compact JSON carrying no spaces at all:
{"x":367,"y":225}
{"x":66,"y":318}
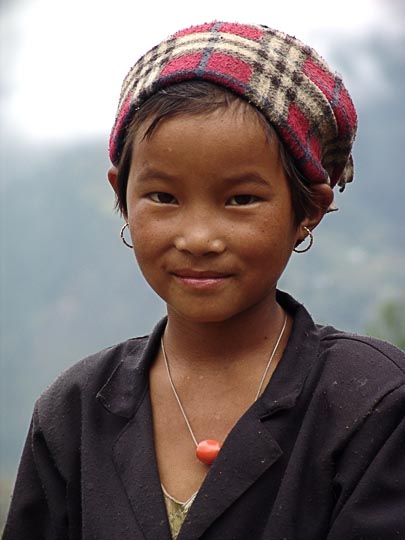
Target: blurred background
{"x":68,"y":286}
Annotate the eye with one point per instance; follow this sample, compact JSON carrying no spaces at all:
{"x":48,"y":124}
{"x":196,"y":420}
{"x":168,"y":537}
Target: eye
{"x":162,"y":197}
{"x":242,"y":200}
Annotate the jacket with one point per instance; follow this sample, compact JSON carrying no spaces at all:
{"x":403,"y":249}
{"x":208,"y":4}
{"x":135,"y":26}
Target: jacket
{"x":319,"y":456}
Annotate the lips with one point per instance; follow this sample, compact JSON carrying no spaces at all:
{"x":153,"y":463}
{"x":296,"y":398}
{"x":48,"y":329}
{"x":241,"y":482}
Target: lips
{"x":200,"y":279}
{"x":199,"y":274}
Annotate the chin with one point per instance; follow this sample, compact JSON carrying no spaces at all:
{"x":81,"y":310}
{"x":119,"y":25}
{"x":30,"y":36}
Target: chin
{"x":202,"y":316}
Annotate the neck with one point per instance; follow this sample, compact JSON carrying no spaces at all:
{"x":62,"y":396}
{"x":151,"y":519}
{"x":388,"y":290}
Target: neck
{"x":217,"y":346}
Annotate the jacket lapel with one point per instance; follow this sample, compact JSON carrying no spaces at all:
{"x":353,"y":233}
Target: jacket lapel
{"x":247,"y":453}
{"x":135,"y":461}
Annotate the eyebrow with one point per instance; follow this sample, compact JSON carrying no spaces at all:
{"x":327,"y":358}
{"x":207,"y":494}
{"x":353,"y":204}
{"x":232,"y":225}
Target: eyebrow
{"x":147,"y":174}
{"x":248,"y":178}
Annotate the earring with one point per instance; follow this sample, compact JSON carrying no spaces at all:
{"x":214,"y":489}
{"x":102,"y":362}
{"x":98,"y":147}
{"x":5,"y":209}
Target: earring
{"x":122,"y":236}
{"x":311,"y":241}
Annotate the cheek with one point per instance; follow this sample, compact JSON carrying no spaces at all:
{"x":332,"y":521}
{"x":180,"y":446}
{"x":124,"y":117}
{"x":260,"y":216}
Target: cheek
{"x":140,"y":222}
{"x":145,"y":245}
{"x":139,"y":226}
{"x":148,"y":234}
{"x":271,"y":237}
{"x":146,"y":255}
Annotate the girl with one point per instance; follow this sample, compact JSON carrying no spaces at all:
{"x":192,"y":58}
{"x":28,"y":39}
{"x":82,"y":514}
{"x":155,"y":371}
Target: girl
{"x":238,"y":417}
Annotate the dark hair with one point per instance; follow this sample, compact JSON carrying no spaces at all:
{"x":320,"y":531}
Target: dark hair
{"x":197,"y":97}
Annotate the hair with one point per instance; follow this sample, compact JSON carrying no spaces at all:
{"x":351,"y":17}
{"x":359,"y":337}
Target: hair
{"x":194,"y":98}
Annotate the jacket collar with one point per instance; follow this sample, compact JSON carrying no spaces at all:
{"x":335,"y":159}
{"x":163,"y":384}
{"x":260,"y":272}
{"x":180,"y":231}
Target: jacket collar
{"x":123,"y":391}
{"x":302,"y":349}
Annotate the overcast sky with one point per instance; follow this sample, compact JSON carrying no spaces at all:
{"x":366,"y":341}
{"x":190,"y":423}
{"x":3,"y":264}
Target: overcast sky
{"x":63,"y":62}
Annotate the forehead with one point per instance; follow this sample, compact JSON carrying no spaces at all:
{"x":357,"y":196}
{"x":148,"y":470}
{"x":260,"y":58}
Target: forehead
{"x":235,"y":126}
{"x":236,"y":111}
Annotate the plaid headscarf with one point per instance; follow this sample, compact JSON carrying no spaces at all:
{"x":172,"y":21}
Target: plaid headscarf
{"x":304,"y":100}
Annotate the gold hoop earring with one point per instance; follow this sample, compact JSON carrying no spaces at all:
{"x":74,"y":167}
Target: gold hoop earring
{"x":311,"y":241}
{"x":122,"y":236}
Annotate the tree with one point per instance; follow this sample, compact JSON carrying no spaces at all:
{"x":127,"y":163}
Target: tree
{"x":389,"y":323}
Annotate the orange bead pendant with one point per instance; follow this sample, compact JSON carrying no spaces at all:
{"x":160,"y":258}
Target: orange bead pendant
{"x":208,"y":450}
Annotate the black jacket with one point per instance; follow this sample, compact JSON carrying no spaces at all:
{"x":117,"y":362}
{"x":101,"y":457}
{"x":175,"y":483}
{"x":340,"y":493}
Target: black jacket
{"x":321,"y":455}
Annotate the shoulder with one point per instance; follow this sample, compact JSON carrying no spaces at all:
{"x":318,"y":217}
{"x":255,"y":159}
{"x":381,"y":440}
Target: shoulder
{"x":341,"y":374}
{"x":358,"y":355}
{"x":358,"y":376}
{"x":334,"y":352}
{"x":81,"y":382}
{"x":346,"y":344}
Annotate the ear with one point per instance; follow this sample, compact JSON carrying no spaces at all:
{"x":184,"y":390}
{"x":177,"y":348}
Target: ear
{"x":324,"y":195}
{"x":112,"y":174}
{"x":112,"y":177}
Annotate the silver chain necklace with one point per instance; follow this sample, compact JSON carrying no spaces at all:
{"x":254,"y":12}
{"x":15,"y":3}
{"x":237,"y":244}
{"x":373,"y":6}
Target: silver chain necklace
{"x":208,"y":449}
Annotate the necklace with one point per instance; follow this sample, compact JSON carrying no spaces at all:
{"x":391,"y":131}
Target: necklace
{"x":208,"y":449}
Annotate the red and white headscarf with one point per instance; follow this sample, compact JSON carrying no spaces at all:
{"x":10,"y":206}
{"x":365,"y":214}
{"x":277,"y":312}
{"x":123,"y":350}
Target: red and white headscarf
{"x":288,"y":81}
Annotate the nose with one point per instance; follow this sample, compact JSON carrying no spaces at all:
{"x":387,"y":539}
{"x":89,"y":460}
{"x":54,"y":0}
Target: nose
{"x":199,"y":236}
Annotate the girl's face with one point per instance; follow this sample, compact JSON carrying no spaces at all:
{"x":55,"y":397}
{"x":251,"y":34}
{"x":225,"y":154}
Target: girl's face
{"x":210,"y":214}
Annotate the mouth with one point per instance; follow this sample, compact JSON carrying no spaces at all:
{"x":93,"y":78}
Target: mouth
{"x":199,"y":274}
{"x":200,"y":279}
